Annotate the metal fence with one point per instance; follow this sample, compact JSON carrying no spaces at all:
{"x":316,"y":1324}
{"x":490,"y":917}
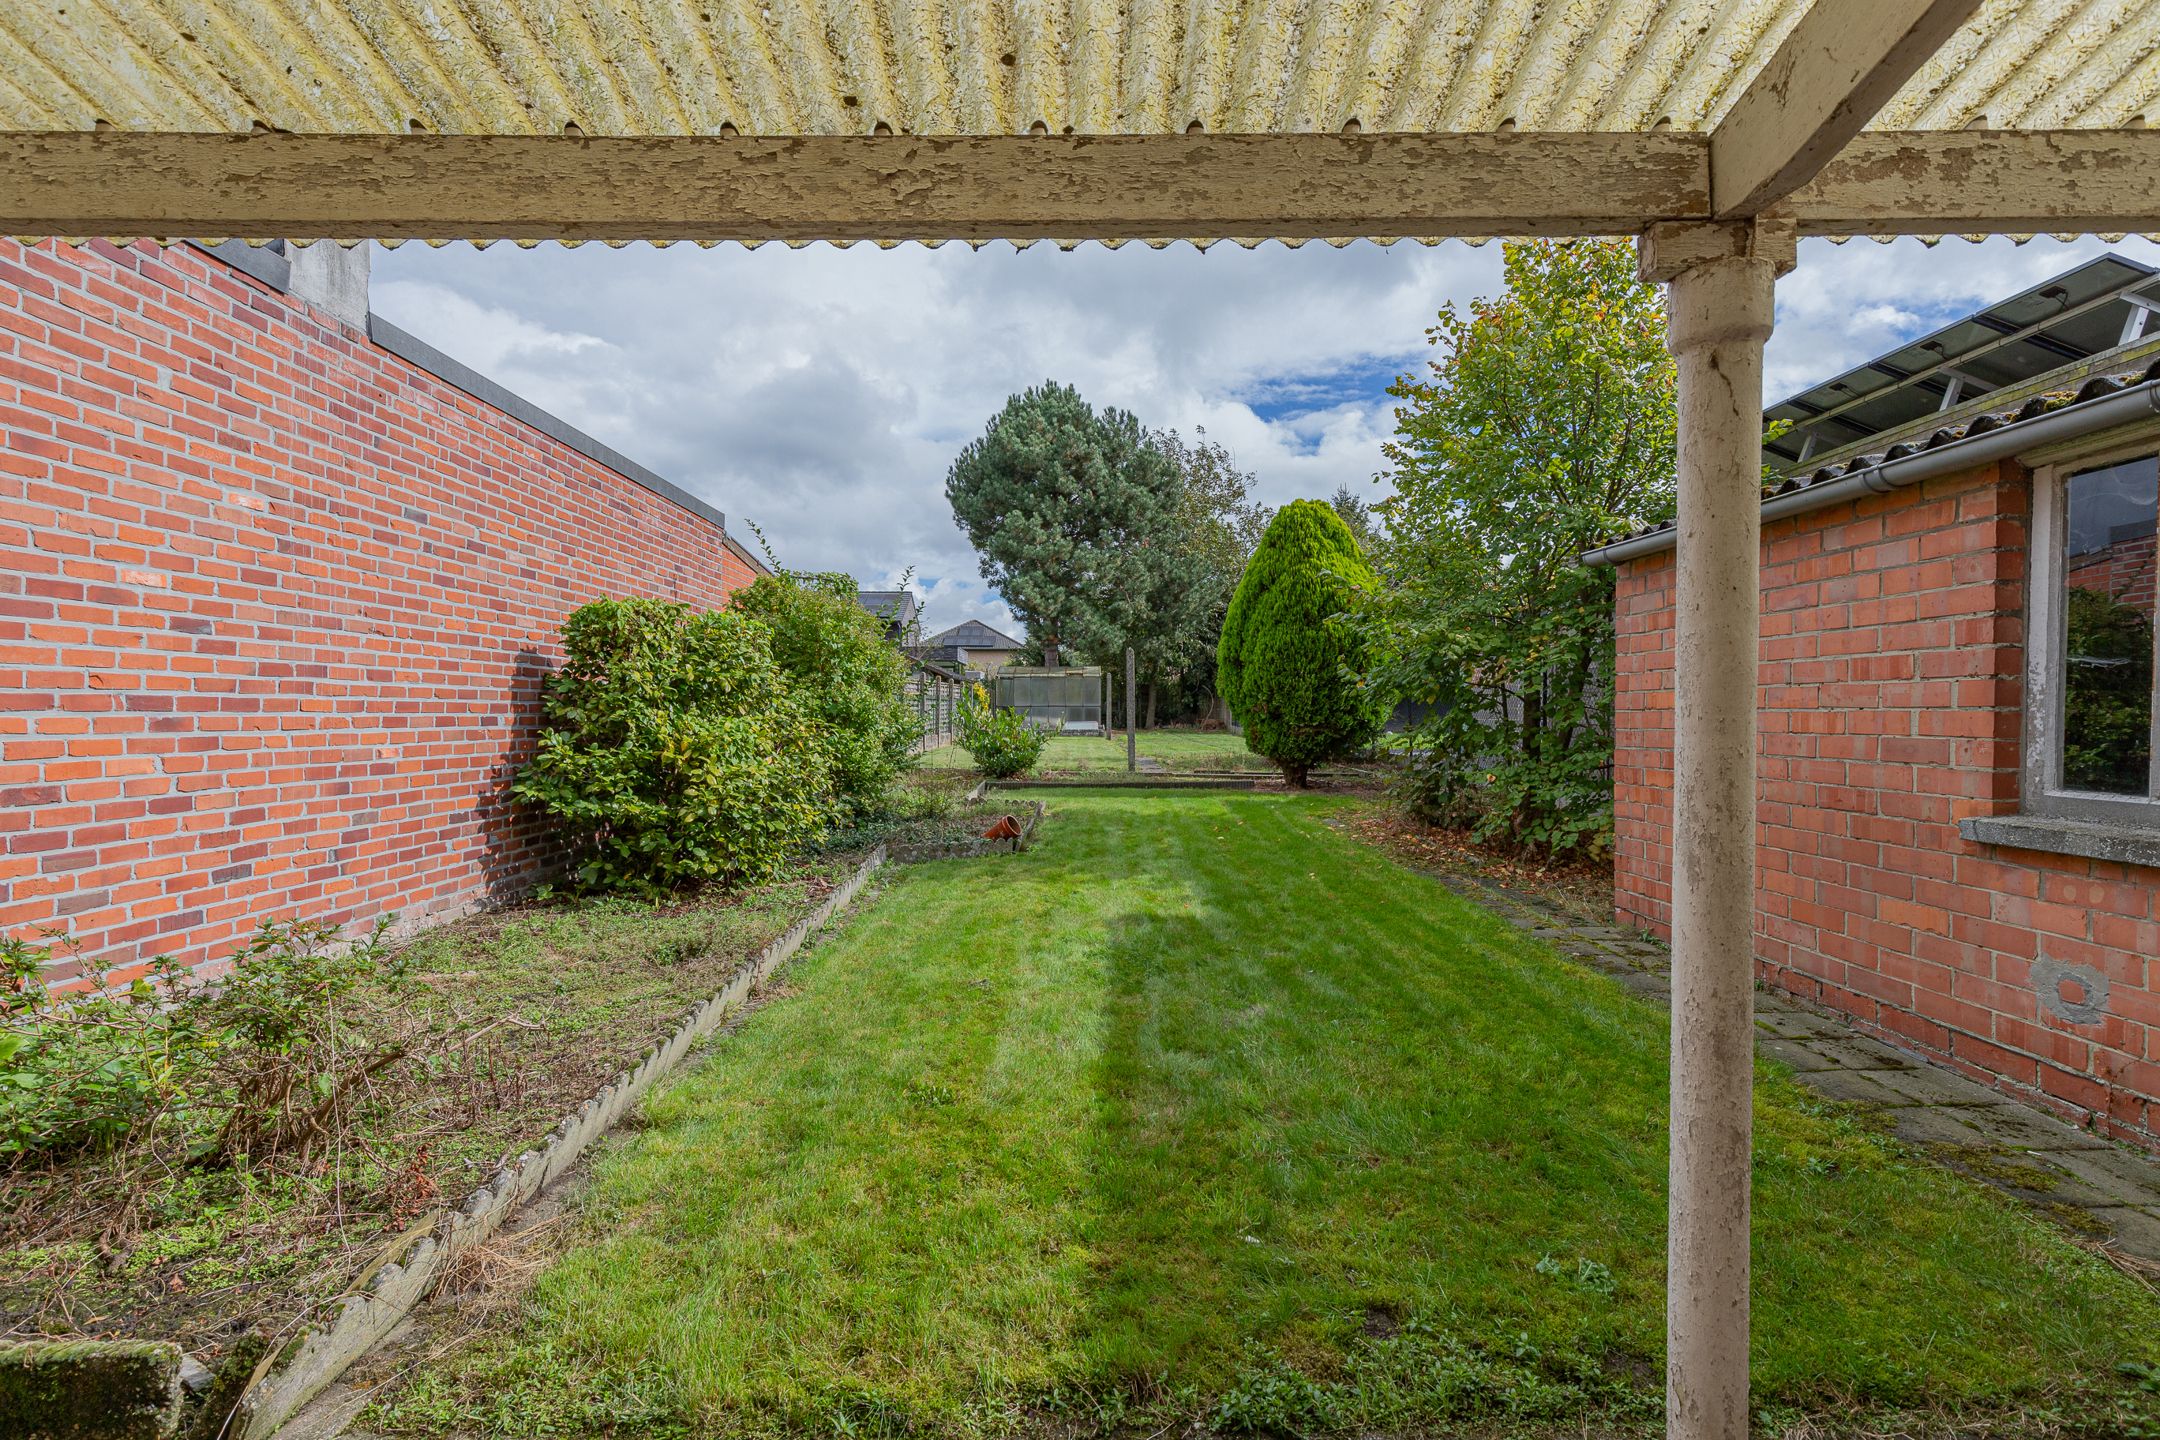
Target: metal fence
{"x":1070,"y":700}
{"x":936,"y":692}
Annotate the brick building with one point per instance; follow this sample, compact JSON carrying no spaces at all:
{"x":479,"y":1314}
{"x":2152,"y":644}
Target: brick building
{"x":279,"y":587}
{"x":1957,"y":808}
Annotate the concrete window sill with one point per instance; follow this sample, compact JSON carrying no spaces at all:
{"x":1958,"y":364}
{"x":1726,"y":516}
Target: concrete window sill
{"x":2123,"y":844}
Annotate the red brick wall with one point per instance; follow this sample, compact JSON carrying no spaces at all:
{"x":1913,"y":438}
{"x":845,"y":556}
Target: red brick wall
{"x":1891,"y":692}
{"x":274,"y":610}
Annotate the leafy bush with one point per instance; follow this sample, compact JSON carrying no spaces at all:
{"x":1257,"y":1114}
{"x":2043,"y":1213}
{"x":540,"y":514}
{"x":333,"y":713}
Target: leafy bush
{"x":260,"y":1059}
{"x":1289,"y":663}
{"x":1544,"y":426}
{"x":674,"y":751}
{"x":849,"y":677}
{"x":87,"y":1071}
{"x":1001,"y":742}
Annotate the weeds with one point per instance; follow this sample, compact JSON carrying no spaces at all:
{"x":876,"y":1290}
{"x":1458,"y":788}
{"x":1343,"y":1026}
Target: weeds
{"x":258,"y":1060}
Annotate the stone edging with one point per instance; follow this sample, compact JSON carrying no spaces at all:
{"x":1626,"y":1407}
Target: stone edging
{"x":969,"y":849}
{"x":407,"y":1271}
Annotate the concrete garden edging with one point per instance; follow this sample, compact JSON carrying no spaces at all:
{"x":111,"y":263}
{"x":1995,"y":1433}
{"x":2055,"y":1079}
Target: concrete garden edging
{"x":90,"y":1390}
{"x":968,"y":849}
{"x":1117,"y":780}
{"x":407,"y":1270}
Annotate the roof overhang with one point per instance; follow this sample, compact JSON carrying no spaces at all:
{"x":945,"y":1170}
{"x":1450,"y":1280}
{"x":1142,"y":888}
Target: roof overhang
{"x":798,"y":120}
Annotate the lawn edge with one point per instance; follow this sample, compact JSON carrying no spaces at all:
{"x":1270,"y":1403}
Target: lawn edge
{"x":407,"y":1270}
{"x":970,"y":849}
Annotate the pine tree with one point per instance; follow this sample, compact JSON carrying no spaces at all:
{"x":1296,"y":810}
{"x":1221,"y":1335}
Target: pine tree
{"x":1066,"y":508}
{"x":1290,"y":659}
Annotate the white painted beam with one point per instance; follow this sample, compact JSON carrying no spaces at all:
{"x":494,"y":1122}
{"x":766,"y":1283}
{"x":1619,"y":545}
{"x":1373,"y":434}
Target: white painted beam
{"x":1834,"y":71}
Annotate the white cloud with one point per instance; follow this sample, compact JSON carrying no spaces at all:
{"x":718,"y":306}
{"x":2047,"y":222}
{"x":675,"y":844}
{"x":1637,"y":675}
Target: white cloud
{"x":823,"y":393}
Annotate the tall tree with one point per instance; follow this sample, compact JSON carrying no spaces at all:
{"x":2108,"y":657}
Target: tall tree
{"x":1291,"y":661}
{"x":1214,"y":525}
{"x":1358,"y":516}
{"x":1545,"y":427}
{"x":1065,"y":506}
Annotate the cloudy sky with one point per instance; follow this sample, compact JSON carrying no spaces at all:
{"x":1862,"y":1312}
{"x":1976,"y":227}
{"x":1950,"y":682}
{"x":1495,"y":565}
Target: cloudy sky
{"x":822,"y":393}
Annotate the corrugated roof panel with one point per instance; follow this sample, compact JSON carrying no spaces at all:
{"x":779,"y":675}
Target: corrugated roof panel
{"x":1010,"y":66}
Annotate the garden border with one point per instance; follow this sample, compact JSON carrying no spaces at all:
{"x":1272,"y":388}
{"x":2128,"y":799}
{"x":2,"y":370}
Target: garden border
{"x":406,"y":1270}
{"x":970,"y":849}
{"x":1144,"y":782}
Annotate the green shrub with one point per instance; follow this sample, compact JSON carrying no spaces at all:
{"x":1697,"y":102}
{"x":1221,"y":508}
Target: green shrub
{"x":849,"y":677}
{"x":1001,"y":742}
{"x":1289,"y":661}
{"x":673,"y":751}
{"x":262,"y":1058}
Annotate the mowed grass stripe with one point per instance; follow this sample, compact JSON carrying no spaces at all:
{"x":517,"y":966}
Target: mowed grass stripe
{"x":1200,"y":1092}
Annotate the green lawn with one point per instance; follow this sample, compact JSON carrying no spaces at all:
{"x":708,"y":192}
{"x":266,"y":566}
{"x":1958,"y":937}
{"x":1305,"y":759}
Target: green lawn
{"x":1200,"y":1109}
{"x":1182,"y":750}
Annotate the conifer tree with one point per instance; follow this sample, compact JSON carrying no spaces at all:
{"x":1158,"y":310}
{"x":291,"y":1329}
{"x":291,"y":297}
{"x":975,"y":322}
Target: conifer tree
{"x":1290,"y":661}
{"x":1067,"y":508}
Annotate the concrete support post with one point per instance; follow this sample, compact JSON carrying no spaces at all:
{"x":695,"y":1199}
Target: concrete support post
{"x":1132,"y":733}
{"x":1720,"y":309}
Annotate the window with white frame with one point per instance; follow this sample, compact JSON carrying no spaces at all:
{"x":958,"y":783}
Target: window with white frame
{"x":2090,"y":714}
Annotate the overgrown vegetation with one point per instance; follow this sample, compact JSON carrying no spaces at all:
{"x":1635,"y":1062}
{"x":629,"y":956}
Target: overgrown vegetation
{"x":182,"y":1164}
{"x":673,"y":750}
{"x":1290,"y":661}
{"x":836,"y":657}
{"x":1200,"y":1116}
{"x":1001,"y":742}
{"x":1545,"y":428}
{"x":263,"y":1059}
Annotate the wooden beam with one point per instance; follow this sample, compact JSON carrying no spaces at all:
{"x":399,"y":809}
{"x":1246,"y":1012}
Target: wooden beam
{"x":1985,"y":182}
{"x":126,"y":184}
{"x":1834,"y":71}
{"x":122,"y":183}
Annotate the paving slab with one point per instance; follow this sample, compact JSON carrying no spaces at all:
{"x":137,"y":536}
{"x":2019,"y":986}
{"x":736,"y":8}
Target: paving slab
{"x":1855,"y":1087}
{"x":1852,"y":1051}
{"x":1930,"y":1085}
{"x":1925,"y":1125}
{"x":2134,"y":1231}
{"x":2028,"y":1129}
{"x":2123,"y":1178}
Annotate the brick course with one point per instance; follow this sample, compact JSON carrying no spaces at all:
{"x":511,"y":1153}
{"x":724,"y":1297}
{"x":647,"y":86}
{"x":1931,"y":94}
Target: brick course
{"x":275,"y":609}
{"x":1892,"y":677}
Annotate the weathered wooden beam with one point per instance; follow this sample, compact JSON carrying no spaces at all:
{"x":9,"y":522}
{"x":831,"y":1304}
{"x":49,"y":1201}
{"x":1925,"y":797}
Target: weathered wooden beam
{"x":121,"y":183}
{"x":1834,"y":71}
{"x":1984,"y":182}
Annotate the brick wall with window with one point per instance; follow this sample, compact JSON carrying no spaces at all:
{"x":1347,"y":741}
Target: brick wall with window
{"x":275,"y":608}
{"x":1893,"y":691}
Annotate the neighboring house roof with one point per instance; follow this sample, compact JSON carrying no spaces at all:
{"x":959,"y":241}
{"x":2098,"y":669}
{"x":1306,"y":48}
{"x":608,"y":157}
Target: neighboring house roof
{"x":2101,"y":402}
{"x":896,"y":605}
{"x":972,"y":635}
